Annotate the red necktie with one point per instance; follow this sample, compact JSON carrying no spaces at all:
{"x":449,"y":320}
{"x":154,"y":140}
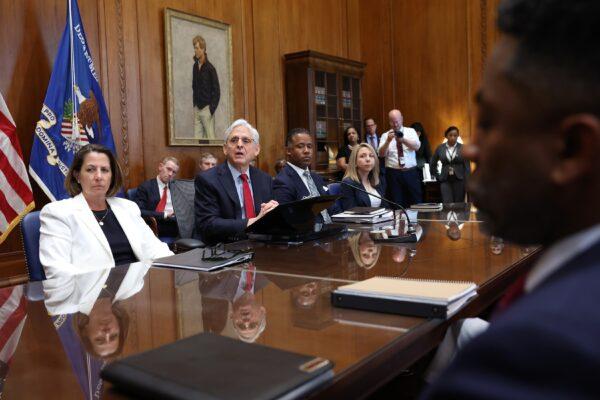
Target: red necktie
{"x":248,"y":200}
{"x":163,"y":201}
{"x":400,"y":154}
{"x":249,"y":279}
{"x":512,"y":294}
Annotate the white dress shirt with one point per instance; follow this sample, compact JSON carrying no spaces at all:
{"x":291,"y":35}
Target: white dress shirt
{"x":391,"y":156}
{"x":559,"y":254}
{"x":375,"y":201}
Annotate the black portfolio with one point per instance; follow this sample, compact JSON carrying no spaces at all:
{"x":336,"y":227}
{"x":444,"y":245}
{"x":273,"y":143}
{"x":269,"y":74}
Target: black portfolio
{"x":208,"y":366}
{"x":295,"y":221}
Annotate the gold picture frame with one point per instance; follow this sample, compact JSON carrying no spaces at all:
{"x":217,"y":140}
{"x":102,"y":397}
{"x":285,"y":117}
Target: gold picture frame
{"x":191,"y":79}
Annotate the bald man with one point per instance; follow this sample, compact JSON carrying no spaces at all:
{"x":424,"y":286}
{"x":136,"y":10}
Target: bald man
{"x":398,"y":146}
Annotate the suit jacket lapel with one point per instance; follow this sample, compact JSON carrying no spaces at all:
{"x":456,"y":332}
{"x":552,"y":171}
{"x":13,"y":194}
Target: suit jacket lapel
{"x":298,"y":183}
{"x":87,"y":217}
{"x":363,"y":196}
{"x":154,"y":194}
{"x":256,"y":189}
{"x":318,"y":183}
{"x":226,"y":180}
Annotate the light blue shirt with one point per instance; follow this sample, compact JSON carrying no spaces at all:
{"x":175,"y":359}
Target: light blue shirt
{"x":239,"y":186}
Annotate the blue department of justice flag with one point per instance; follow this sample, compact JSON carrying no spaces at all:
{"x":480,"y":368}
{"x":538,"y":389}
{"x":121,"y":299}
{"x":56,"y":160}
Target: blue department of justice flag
{"x":73,"y":113}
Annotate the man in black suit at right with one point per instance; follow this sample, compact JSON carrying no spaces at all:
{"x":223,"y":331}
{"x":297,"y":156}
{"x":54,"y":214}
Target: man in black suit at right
{"x":233,"y":195}
{"x":537,"y":181}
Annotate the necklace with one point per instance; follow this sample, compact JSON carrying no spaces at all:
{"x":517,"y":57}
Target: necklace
{"x":101,"y":220}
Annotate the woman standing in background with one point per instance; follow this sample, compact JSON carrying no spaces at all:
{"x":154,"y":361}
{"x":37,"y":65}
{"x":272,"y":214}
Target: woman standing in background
{"x":455,"y":169}
{"x":351,"y":139}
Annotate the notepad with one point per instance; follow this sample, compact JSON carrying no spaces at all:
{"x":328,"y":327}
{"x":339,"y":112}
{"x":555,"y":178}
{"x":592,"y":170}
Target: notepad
{"x":417,"y":297}
{"x":354,"y":215}
{"x":427,"y":207}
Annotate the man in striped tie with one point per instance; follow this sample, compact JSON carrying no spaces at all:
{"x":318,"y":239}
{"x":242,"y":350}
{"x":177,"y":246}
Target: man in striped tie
{"x":296,"y":181}
{"x":233,"y":195}
{"x":154,"y":197}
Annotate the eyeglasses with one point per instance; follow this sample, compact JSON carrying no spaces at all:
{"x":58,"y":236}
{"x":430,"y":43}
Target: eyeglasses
{"x":235,"y":139}
{"x":218,"y":252}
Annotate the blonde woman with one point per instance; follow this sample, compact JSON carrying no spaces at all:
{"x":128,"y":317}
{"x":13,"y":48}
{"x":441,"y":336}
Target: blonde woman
{"x":362,"y":175}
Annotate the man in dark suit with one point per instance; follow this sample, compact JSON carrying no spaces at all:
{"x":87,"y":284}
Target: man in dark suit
{"x":154,"y":197}
{"x":372,"y":138}
{"x":233,"y":195}
{"x":296,"y":181}
{"x":537,"y":181}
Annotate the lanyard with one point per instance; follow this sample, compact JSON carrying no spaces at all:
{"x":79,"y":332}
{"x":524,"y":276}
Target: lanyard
{"x":453,"y":154}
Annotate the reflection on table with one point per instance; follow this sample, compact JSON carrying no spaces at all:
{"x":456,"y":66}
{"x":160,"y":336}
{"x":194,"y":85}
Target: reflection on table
{"x":281,"y":300}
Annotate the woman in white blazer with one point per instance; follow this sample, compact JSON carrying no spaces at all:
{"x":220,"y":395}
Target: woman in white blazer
{"x":94,"y":229}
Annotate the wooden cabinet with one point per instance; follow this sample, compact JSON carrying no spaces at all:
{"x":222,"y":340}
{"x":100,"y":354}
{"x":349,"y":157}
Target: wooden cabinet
{"x":323,"y":94}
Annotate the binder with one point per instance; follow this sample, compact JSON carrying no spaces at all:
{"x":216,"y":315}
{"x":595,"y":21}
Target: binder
{"x":209,"y":366}
{"x":414,"y":297}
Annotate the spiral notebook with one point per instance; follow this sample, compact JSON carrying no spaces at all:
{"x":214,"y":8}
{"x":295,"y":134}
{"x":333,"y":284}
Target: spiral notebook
{"x":415,"y":297}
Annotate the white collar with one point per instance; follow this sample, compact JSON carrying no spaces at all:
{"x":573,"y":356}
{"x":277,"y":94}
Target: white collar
{"x":161,"y":184}
{"x":559,"y":253}
{"x":299,"y":170}
{"x":236,"y":173}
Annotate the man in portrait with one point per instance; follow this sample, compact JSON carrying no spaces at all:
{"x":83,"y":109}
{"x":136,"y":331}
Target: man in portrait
{"x":206,"y":91}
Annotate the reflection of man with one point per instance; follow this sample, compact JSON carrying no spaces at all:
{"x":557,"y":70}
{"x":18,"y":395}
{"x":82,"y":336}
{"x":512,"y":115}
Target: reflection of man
{"x":306,"y":295}
{"x":206,"y":91}
{"x":249,"y":317}
{"x":153,"y":197}
{"x":233,"y":195}
{"x":496,"y":245}
{"x":537,"y":182}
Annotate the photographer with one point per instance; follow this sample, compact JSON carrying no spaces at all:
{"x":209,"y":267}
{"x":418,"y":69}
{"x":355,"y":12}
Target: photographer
{"x":398,"y":146}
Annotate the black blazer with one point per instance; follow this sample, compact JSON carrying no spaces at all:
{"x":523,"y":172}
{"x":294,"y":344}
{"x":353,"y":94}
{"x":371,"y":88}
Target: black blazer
{"x":544,"y":346}
{"x":217,"y":205}
{"x":147,"y":198}
{"x":462,"y":168}
{"x":288,"y":186}
{"x":355,"y":198}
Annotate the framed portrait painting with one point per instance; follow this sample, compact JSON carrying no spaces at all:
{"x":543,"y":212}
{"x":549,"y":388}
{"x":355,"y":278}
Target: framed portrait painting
{"x":199,"y":79}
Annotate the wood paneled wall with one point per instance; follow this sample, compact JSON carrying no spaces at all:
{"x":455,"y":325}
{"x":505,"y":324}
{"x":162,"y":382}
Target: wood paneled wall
{"x":423,"y":56}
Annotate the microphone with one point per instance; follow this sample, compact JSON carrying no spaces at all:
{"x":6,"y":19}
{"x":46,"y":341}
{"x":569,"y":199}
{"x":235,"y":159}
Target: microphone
{"x":410,"y":230}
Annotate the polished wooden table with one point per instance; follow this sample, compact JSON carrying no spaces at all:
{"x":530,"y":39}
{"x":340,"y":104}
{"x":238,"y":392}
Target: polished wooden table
{"x":90,"y":319}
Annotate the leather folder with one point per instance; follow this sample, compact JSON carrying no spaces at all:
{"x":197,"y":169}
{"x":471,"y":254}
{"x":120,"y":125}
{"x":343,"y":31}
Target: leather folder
{"x":209,"y":366}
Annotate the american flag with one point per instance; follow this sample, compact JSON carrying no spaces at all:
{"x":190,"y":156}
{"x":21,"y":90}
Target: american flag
{"x":16,"y":197}
{"x":12,"y":318}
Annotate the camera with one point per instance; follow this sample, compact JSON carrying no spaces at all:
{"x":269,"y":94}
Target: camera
{"x":399,"y":133}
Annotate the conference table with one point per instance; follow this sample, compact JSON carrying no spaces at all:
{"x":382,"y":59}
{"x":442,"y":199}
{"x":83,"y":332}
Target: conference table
{"x":67,"y":328}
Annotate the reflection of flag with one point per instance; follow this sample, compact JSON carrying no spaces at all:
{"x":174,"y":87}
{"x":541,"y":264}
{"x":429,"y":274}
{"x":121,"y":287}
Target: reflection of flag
{"x":12,"y":319}
{"x":86,"y":367}
{"x":73,"y":114}
{"x":16,"y":198}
